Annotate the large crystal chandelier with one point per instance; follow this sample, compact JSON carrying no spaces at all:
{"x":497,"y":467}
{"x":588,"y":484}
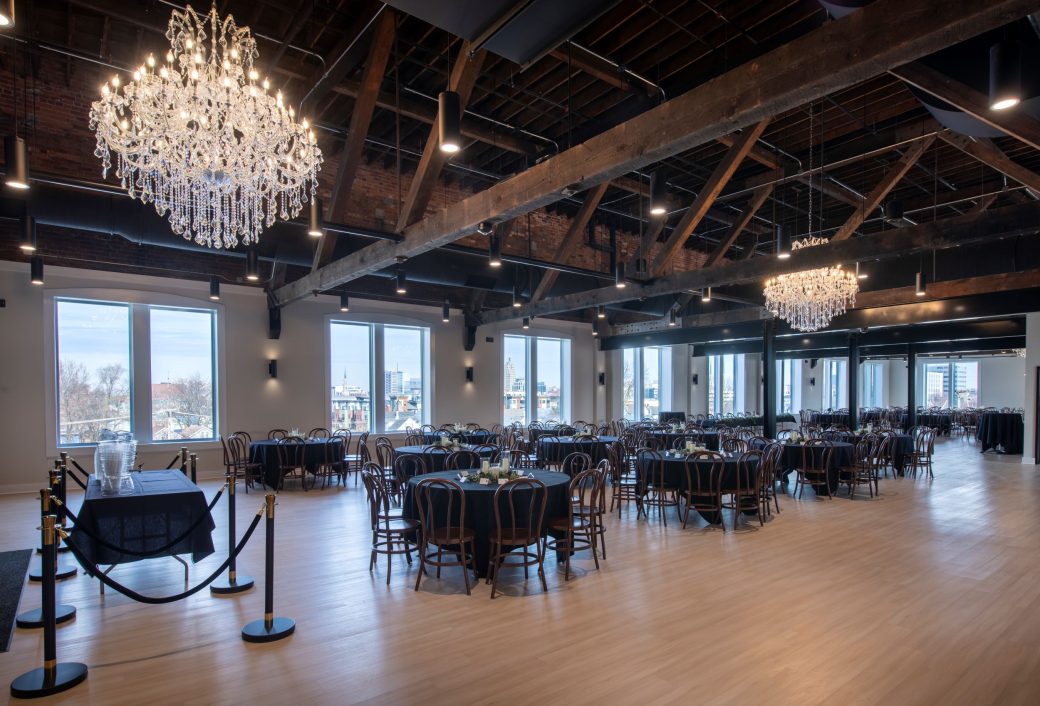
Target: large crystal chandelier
{"x":200,"y":136}
{"x":809,"y":300}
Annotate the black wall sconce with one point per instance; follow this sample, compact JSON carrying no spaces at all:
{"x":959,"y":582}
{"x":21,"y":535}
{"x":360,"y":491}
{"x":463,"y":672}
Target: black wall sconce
{"x":602,"y":378}
{"x":272,"y":368}
{"x":812,"y":382}
{"x":469,"y":374}
{"x":695,"y":378}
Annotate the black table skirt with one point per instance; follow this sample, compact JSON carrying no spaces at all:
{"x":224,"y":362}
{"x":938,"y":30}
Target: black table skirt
{"x":841,"y":457}
{"x":434,"y":460}
{"x":468,"y":437}
{"x":901,"y":446}
{"x":558,"y":450}
{"x":940,"y":422}
{"x":675,"y":475}
{"x":1004,"y":429}
{"x":827,"y":419}
{"x":265,"y":452}
{"x":709,"y":439}
{"x":480,"y":508}
{"x":162,"y":506}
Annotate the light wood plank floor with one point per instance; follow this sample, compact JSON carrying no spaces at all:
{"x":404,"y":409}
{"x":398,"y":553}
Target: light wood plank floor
{"x":928,"y":595}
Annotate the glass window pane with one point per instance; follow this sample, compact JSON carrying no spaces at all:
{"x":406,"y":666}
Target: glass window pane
{"x":651,"y":382}
{"x":550,"y":378}
{"x":628,"y":383}
{"x":514,"y":380}
{"x":402,"y":377}
{"x":966,"y":384}
{"x":351,"y":365}
{"x":182,"y":374}
{"x":93,"y":341}
{"x":937,"y":384}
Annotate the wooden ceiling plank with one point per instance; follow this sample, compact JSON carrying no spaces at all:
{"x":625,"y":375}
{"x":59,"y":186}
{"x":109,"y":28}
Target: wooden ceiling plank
{"x":880,"y":191}
{"x":706,"y":197}
{"x":881,"y":36}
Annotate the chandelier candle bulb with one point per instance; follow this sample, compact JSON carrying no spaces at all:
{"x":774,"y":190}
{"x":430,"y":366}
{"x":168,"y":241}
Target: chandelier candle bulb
{"x":260,"y":165}
{"x":809,"y":300}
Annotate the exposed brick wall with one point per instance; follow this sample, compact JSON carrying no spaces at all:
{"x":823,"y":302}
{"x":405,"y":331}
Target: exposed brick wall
{"x":61,"y":143}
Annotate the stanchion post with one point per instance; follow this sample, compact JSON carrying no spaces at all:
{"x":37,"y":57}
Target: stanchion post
{"x":270,"y":628}
{"x":194,"y":460}
{"x":234,"y":582}
{"x":60,"y":572}
{"x":184,"y":460}
{"x":52,"y":677}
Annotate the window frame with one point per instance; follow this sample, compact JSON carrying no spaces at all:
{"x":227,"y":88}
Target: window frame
{"x":377,"y":364}
{"x":664,"y":380}
{"x":951,"y":380}
{"x":531,"y":337}
{"x":716,"y":367}
{"x":140,"y":374}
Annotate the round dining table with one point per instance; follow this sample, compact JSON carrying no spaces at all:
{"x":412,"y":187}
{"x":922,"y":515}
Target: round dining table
{"x":555,"y":449}
{"x":708,"y":439}
{"x":900,"y":448}
{"x":841,"y":457}
{"x":1001,"y":431}
{"x":674,"y":475}
{"x":940,"y":421}
{"x":480,"y":506}
{"x":434,"y":458}
{"x":265,"y":452}
{"x":468,"y":437}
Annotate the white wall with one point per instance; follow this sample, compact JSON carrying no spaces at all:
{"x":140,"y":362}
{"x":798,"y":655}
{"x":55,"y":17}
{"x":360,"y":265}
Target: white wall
{"x":1002,"y":382}
{"x":255,"y":402}
{"x":1031,"y":363}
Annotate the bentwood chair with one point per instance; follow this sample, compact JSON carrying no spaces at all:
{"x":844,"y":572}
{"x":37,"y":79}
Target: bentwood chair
{"x":575,"y":462}
{"x":442,"y":515}
{"x":656,"y":489}
{"x":462,"y":460}
{"x":623,"y":481}
{"x":921,"y":458}
{"x":579,"y":527}
{"x":863,"y":470}
{"x":815,"y":465}
{"x":332,"y":464}
{"x":768,"y":476}
{"x":519,"y":522}
{"x":277,"y":434}
{"x":391,"y":533}
{"x":236,"y":460}
{"x":407,"y":466}
{"x":319,"y":433}
{"x":733,"y":444}
{"x":291,"y":451}
{"x":744,"y":493}
{"x":703,"y":489}
{"x":549,"y":452}
{"x":492,"y":453}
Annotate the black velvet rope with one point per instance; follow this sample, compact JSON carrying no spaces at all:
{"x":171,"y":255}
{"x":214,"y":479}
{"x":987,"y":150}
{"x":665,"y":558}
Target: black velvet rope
{"x":174,"y":462}
{"x":151,"y":552}
{"x":73,"y":476}
{"x":93,"y":570}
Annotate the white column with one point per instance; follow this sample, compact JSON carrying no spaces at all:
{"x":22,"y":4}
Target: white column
{"x":1032,"y":361}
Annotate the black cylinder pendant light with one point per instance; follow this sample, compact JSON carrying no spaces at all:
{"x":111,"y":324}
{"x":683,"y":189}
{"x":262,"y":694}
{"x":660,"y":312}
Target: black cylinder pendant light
{"x":920,"y":288}
{"x":28,"y":242}
{"x":7,"y":14}
{"x":517,"y":298}
{"x":344,"y":303}
{"x":449,"y":122}
{"x":595,"y":328}
{"x":214,"y":289}
{"x":706,"y":294}
{"x":252,"y":265}
{"x":658,"y":194}
{"x":494,"y":251}
{"x":16,"y":158}
{"x":446,"y":312}
{"x":783,"y":247}
{"x":619,"y":275}
{"x":36,"y":270}
{"x":526,"y":323}
{"x":1005,"y":75}
{"x":601,"y":312}
{"x":894,"y":210}
{"x":402,"y":282}
{"x":314,"y":221}
{"x":672,"y":318}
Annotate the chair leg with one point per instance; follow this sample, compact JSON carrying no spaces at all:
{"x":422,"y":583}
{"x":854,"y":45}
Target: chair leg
{"x":422,"y":563}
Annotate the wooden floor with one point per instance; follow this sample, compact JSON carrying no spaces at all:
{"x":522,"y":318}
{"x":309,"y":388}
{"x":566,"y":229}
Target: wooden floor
{"x":928,"y":595}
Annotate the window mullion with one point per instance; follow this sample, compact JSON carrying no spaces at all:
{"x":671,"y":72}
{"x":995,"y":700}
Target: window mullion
{"x":141,"y":372}
{"x":378,"y":384}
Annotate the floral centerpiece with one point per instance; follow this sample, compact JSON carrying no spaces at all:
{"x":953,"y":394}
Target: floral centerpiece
{"x":492,"y":476}
{"x":795,"y":437}
{"x":295,"y":432}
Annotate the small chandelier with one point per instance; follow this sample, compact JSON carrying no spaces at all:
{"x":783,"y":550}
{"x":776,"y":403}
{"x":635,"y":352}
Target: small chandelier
{"x":1020,"y":352}
{"x":200,"y":137}
{"x":809,"y":300}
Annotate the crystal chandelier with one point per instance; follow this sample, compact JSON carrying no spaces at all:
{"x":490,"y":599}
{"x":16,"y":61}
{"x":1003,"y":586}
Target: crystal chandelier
{"x":809,"y":300}
{"x":199,"y":136}
{"x":1020,"y":352}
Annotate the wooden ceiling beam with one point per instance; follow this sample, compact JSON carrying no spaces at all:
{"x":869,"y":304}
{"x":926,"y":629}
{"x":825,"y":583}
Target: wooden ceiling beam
{"x":1023,"y":219}
{"x":742,"y":144}
{"x":463,"y":78}
{"x":878,"y":193}
{"x":758,"y":200}
{"x":360,"y":120}
{"x":572,"y":238}
{"x":989,"y":154}
{"x":1016,"y":123}
{"x":881,"y":36}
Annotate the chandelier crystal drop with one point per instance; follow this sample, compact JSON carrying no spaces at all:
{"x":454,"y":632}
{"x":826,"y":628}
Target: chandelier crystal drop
{"x":809,"y":300}
{"x":199,"y":135}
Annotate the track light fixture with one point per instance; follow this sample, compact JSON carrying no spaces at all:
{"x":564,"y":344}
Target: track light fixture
{"x":449,"y":122}
{"x":921,"y":286}
{"x":28,"y":242}
{"x":36,"y":270}
{"x":526,"y":323}
{"x":16,"y":158}
{"x":402,"y":282}
{"x":344,"y":303}
{"x":1005,"y":75}
{"x":314,"y":221}
{"x":214,"y":289}
{"x":619,"y":275}
{"x":252,"y":265}
{"x":446,"y":312}
{"x":658,"y":194}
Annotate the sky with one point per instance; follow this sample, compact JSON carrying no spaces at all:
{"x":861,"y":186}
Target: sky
{"x":549,"y":351}
{"x":97,"y":335}
{"x":351,"y":352}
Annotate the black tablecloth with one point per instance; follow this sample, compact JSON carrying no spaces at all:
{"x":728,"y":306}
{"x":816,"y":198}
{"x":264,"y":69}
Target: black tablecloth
{"x":480,"y":508}
{"x":827,"y":419}
{"x":1004,"y":429}
{"x":900,"y":448}
{"x":841,"y":457}
{"x":710,"y":439}
{"x":469,"y":437}
{"x":435,"y":460}
{"x":939,"y":422}
{"x":265,"y":452}
{"x":161,"y":507}
{"x":596,"y":448}
{"x":675,"y":475}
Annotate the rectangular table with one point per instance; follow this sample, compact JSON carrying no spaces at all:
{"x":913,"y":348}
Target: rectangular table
{"x":161,"y":506}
